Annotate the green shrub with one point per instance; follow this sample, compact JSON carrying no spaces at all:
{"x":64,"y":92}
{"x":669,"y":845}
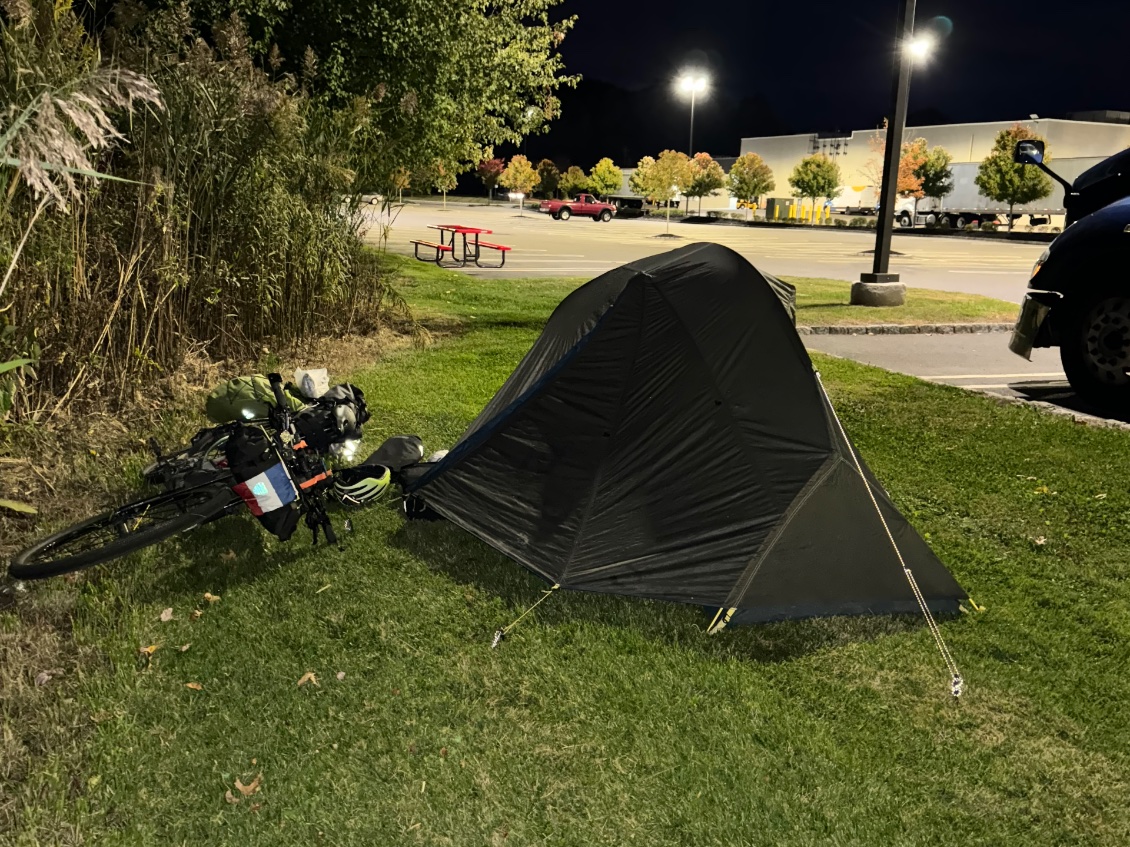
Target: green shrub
{"x":858,"y":223}
{"x":988,"y":226}
{"x":233,"y":232}
{"x":840,"y":223}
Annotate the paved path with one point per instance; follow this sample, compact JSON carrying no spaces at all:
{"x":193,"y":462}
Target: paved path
{"x":980,"y":362}
{"x":582,"y":247}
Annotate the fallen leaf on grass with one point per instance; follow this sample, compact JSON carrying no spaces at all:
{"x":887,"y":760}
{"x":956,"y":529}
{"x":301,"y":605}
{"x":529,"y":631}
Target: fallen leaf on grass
{"x":228,"y":556}
{"x":43,"y":677}
{"x":16,"y":506}
{"x":443,"y":752}
{"x":184,"y":647}
{"x":1040,"y":540}
{"x":148,"y":651}
{"x":308,"y":677}
{"x":196,"y":613}
{"x":1043,"y":489}
{"x":167,"y":615}
{"x":256,"y":807}
{"x":340,"y":676}
{"x":231,"y":798}
{"x":211,"y":598}
{"x":1100,"y":496}
{"x":195,"y":686}
{"x":251,"y":787}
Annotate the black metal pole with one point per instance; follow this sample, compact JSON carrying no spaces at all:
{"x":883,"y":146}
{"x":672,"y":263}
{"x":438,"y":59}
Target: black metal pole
{"x":690,"y":143}
{"x":900,"y":94}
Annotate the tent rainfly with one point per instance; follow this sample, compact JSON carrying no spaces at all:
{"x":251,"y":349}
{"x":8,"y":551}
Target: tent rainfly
{"x":667,"y":437}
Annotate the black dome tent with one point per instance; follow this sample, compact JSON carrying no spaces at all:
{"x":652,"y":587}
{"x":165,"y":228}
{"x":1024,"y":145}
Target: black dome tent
{"x":667,"y":437}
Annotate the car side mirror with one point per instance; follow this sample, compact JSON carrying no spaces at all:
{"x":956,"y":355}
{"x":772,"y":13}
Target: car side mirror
{"x":1028,"y":153}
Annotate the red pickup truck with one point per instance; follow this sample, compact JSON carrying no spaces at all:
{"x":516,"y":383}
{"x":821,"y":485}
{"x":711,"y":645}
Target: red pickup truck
{"x":585,"y":204}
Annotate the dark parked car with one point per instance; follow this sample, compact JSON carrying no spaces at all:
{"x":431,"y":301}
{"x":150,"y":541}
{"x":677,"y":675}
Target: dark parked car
{"x":1078,"y":297}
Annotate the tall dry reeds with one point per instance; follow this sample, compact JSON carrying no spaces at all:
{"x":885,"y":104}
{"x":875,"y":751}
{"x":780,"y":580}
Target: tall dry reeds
{"x":175,"y":196}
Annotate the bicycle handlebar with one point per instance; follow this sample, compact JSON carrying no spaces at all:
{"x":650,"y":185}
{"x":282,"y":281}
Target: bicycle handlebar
{"x":276,"y":381}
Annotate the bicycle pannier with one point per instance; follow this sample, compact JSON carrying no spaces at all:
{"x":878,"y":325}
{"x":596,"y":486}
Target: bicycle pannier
{"x":261,"y":479}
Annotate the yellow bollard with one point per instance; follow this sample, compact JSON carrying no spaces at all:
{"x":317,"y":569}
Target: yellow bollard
{"x":777,"y":212}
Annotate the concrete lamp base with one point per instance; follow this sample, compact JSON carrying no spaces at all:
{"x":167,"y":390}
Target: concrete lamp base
{"x":878,"y":290}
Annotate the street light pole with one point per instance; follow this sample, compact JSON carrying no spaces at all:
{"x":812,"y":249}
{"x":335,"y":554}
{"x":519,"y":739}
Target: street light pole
{"x":690,"y":144}
{"x":880,"y":287}
{"x":692,"y":82}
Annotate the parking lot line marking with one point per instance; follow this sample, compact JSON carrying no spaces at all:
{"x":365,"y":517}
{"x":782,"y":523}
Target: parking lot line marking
{"x":981,"y":386}
{"x":569,"y":270}
{"x":998,"y":273}
{"x":995,"y":376}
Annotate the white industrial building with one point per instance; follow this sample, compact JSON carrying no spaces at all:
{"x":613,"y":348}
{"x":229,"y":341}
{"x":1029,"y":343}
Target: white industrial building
{"x":1073,"y":146}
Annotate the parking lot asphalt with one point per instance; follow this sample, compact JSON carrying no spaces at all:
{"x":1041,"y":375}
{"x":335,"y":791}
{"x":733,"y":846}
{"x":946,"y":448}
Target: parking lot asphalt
{"x":981,"y":362}
{"x":585,"y":248}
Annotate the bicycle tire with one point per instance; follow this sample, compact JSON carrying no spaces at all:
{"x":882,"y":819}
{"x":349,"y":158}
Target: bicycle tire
{"x":191,"y":506}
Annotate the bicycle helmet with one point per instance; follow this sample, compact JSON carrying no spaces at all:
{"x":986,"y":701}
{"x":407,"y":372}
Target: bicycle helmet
{"x":360,"y":485}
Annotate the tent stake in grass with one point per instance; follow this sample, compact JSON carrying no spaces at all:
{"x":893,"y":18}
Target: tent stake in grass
{"x":500,"y":634}
{"x":957,"y":682}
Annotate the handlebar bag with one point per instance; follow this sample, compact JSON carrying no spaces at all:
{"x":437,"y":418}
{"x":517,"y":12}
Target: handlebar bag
{"x":262,"y":481}
{"x":246,"y":398}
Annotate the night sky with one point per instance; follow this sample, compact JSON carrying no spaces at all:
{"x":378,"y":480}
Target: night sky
{"x":797,"y":66}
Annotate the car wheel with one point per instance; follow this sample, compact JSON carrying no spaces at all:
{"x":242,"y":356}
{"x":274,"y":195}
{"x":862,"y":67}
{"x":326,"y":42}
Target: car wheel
{"x":606,"y":216}
{"x":1095,"y":349}
{"x":564,"y":214}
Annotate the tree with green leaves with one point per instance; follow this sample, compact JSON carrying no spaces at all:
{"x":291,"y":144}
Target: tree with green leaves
{"x":640,"y":179}
{"x":749,"y":178}
{"x":488,"y":171}
{"x":1002,"y":180}
{"x":549,"y":178}
{"x":707,"y":177}
{"x":936,"y":173}
{"x":520,"y":177}
{"x":443,"y":177}
{"x":399,"y":181}
{"x":574,"y":181}
{"x":815,"y":177}
{"x":428,"y":76}
{"x":605,"y":178}
{"x":662,"y":179}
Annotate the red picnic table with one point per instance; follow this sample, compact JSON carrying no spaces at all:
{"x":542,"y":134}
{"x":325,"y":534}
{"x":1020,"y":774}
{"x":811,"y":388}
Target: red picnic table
{"x":469,"y":254}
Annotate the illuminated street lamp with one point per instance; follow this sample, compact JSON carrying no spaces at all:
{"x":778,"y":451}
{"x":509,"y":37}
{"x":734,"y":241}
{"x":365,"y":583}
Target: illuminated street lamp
{"x":920,"y":47}
{"x":880,"y":287}
{"x":692,"y":83}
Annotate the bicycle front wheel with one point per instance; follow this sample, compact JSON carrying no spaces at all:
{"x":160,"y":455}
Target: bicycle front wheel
{"x":122,"y":531}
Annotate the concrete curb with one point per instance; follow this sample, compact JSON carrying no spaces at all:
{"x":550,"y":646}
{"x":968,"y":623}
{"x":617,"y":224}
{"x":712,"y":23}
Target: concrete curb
{"x":1081,"y":418}
{"x":1040,"y":406}
{"x":901,"y":329}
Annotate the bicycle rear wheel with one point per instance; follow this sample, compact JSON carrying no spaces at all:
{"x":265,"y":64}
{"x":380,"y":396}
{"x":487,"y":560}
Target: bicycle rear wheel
{"x":124,"y":530}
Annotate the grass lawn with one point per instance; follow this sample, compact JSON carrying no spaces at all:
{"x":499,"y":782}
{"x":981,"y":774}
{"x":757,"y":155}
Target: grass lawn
{"x":825,"y":302}
{"x":603,"y":721}
{"x":820,"y":302}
